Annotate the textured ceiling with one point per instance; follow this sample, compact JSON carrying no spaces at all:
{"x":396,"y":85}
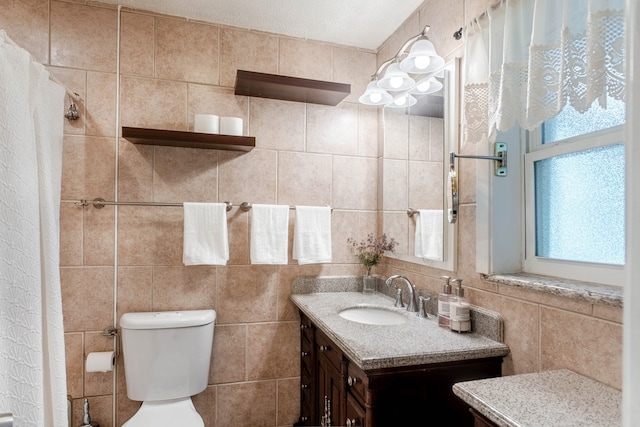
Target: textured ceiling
{"x":359,"y":23}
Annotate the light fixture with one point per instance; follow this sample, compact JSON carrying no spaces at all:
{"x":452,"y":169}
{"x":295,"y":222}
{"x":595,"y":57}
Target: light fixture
{"x":395,"y":79}
{"x":403,"y":101}
{"x":422,"y":87}
{"x":427,"y":85}
{"x":375,"y":95}
{"x":417,"y":56}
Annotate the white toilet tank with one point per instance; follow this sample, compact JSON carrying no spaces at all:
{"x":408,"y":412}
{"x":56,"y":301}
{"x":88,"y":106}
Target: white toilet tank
{"x":167,"y":354}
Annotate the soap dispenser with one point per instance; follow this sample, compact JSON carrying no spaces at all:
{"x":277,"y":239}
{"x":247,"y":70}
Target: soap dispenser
{"x":443,"y":303}
{"x":459,"y":310}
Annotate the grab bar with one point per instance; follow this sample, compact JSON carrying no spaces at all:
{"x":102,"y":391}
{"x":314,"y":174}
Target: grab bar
{"x":6,"y":420}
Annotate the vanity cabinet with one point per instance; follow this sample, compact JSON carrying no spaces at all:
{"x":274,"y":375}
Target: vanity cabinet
{"x":480,"y":420}
{"x":336,"y":392}
{"x":330,"y":368}
{"x":308,"y":381}
{"x":322,"y":373}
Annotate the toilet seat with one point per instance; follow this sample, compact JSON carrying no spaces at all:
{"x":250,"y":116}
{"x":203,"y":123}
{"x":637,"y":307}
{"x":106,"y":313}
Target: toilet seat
{"x":166,"y":413}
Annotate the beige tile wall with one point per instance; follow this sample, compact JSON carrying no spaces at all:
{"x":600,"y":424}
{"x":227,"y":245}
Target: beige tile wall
{"x":305,"y":154}
{"x":543,"y":332}
{"x":171,"y":69}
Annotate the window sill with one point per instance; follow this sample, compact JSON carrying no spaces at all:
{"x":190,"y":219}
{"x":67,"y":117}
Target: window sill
{"x":593,"y":293}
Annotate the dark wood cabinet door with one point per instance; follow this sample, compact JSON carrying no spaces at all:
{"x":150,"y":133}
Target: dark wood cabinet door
{"x":480,"y":420}
{"x":308,"y":374}
{"x":356,"y":416}
{"x":330,"y":394}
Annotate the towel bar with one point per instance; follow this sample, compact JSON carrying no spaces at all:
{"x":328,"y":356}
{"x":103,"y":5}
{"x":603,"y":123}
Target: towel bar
{"x":100,"y":203}
{"x":6,"y":420}
{"x":246,"y":206}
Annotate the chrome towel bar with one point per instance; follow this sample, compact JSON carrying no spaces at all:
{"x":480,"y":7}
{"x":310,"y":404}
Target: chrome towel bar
{"x":100,"y":203}
{"x":6,"y":420}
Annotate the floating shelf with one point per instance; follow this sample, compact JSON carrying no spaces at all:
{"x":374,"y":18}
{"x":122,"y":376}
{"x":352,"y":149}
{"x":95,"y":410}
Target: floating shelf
{"x":174,"y":138}
{"x":274,"y":86}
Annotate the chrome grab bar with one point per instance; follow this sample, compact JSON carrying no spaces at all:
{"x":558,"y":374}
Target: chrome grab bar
{"x":6,"y":420}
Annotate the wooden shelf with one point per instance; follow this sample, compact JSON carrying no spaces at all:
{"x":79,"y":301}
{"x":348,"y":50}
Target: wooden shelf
{"x":174,"y":138}
{"x":273,"y":86}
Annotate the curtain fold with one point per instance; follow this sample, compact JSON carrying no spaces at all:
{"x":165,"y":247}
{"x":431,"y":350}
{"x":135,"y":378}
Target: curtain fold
{"x":48,"y":104}
{"x":32,"y":359}
{"x":527,"y":59}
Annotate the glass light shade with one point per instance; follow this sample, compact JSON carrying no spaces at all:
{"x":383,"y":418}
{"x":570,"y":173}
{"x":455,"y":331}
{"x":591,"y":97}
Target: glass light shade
{"x":419,"y":58}
{"x":426,"y":86}
{"x":395,"y":79}
{"x":403,"y":101}
{"x":374,"y":95}
{"x":422,"y":87}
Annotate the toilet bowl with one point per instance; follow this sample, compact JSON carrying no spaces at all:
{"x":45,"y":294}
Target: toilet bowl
{"x":166,"y":361}
{"x":175,"y":412}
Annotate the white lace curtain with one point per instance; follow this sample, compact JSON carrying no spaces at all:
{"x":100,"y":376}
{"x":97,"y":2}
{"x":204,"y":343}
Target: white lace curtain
{"x":526,"y":59}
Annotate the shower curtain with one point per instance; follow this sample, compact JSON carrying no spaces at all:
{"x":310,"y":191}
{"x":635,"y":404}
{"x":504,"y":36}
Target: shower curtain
{"x":32,"y":366}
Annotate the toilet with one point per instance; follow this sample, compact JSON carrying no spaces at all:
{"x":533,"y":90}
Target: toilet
{"x":166,"y":361}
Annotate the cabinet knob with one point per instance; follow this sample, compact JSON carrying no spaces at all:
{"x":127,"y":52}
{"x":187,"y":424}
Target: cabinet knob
{"x":352,"y":422}
{"x":324,"y":348}
{"x":351,"y":381}
{"x":304,"y":386}
{"x":304,"y":353}
{"x":304,"y":419}
{"x":303,"y":327}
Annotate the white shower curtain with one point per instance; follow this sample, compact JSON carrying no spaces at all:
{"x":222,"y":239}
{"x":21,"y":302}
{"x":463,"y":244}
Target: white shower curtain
{"x":32,"y":366}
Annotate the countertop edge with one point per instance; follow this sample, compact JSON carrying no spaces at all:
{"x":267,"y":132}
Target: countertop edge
{"x":493,"y":414}
{"x":593,"y":293}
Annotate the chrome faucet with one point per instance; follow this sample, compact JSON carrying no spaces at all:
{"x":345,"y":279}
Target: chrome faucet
{"x":422,"y":307}
{"x":413,"y":306}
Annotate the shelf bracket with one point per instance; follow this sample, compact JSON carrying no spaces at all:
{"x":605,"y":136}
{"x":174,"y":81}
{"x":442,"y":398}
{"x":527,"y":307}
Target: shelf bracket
{"x":500,"y":157}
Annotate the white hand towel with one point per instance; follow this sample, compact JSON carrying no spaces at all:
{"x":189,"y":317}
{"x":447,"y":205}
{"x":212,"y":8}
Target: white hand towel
{"x":428,"y":239}
{"x":312,"y":235}
{"x":269,"y":234}
{"x":205,"y":234}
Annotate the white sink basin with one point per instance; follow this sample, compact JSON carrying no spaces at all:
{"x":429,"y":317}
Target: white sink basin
{"x":373,"y":316}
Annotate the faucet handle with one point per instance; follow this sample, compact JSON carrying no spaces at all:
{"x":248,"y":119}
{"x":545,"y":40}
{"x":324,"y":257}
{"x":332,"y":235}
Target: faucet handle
{"x":422,"y":307}
{"x":399,"y":302}
{"x":413,"y":298}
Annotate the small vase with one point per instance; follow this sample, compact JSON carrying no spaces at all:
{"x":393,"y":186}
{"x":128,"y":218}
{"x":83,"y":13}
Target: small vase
{"x":369,"y":284}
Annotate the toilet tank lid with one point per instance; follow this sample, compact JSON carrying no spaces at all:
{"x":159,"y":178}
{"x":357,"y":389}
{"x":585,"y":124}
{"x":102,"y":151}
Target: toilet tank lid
{"x":167,"y":319}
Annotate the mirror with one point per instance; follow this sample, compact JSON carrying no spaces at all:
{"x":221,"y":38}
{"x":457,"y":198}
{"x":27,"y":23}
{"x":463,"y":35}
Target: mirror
{"x":417,"y":141}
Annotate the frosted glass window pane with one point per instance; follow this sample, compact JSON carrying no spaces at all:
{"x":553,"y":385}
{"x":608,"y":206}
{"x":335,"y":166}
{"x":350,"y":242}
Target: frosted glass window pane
{"x":579,"y":201}
{"x":569,"y":122}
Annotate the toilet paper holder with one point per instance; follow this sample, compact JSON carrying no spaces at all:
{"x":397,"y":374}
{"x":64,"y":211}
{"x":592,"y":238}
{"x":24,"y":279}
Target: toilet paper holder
{"x":111,"y":331}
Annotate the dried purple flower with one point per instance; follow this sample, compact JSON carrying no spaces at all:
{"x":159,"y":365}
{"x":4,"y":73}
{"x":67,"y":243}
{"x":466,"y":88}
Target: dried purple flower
{"x":369,"y":251}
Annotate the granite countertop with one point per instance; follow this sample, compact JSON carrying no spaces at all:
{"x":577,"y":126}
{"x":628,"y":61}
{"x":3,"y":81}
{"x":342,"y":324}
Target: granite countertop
{"x":593,"y":293}
{"x":418,"y":341}
{"x":559,"y":398}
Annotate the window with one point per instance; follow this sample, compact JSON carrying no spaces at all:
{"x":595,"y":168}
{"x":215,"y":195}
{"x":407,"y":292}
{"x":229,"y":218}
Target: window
{"x":569,"y":122}
{"x":574,"y":195}
{"x":560,"y":211}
